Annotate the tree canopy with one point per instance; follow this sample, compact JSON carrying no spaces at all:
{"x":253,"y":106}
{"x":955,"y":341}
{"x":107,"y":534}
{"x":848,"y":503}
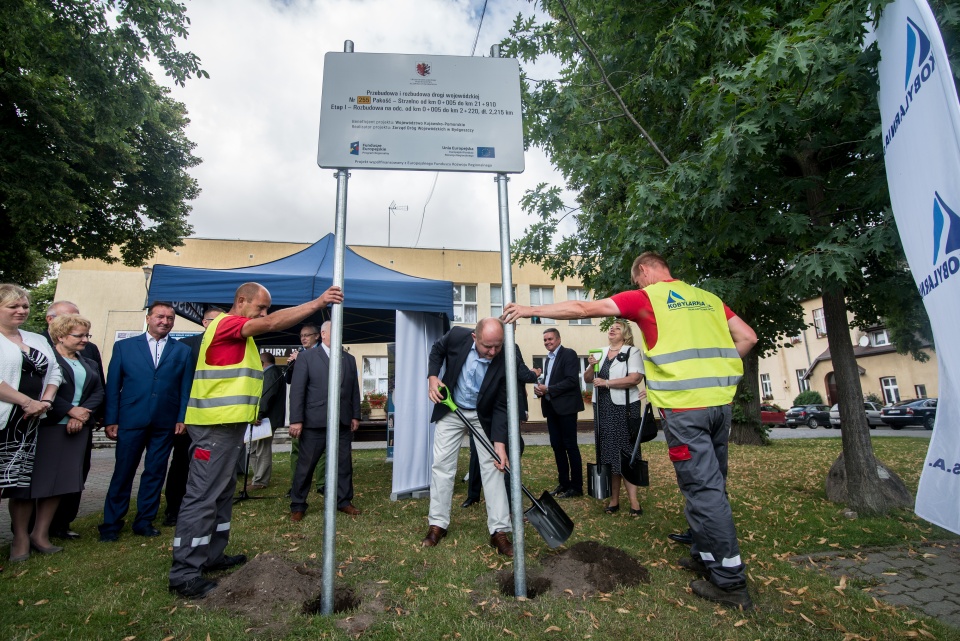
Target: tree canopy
{"x":741,"y":139}
{"x":93,"y":154}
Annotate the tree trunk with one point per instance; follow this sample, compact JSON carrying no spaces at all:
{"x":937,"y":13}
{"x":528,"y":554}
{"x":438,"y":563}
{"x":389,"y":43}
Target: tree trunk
{"x":746,"y":428}
{"x":864,"y":487}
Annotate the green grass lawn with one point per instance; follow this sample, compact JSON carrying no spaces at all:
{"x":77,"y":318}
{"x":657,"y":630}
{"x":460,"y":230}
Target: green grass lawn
{"x":119,"y":591}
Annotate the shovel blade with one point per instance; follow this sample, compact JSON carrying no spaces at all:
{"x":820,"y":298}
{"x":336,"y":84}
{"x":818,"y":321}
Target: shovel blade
{"x":636,"y":473}
{"x":599,"y":480}
{"x":549,"y":520}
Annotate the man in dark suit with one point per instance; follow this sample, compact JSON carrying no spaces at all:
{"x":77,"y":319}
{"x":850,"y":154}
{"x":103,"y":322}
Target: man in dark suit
{"x":273,"y":407}
{"x":148,"y":386}
{"x":561,"y":400}
{"x":308,"y":422}
{"x":69,"y":505}
{"x":475,"y":374}
{"x":180,"y":458}
{"x":309,"y":339}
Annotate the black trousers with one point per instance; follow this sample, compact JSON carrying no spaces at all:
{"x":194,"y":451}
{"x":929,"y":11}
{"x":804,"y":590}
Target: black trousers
{"x":69,"y":505}
{"x":563,"y":439}
{"x":313,"y":443}
{"x":177,"y":474}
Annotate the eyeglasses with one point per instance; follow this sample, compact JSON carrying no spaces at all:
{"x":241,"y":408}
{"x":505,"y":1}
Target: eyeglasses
{"x":308,"y":335}
{"x":81,"y":336}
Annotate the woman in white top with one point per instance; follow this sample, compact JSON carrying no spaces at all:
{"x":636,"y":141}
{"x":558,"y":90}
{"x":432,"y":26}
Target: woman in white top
{"x":29,"y":377}
{"x":615,"y":397}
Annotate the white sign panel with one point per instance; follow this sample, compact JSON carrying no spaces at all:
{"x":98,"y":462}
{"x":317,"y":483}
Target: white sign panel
{"x":435,"y":113}
{"x":921,"y":140}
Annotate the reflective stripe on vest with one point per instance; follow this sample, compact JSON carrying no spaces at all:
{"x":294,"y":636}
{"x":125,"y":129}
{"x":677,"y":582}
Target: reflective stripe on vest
{"x":695,"y":362}
{"x":225,"y":393}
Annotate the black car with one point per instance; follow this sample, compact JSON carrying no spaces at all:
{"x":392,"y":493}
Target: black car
{"x":916,"y":412}
{"x":812,"y":416}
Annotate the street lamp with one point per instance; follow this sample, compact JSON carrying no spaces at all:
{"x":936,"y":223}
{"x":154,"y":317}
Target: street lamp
{"x":392,"y":208}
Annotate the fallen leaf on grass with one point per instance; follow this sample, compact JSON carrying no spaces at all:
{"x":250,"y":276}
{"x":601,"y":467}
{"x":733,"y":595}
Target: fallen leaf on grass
{"x":553,"y":628}
{"x":510,"y":632}
{"x":42,"y":602}
{"x":623,"y":611}
{"x":167,"y":639}
{"x":806,"y":618}
{"x":739,"y":623}
{"x":130,"y":638}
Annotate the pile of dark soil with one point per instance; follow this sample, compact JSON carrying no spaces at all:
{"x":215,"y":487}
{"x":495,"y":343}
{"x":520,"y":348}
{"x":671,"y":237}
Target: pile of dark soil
{"x":265,"y":588}
{"x":584,"y":569}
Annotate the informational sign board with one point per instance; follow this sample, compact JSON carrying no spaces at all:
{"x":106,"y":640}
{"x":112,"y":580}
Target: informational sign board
{"x":412,"y":112}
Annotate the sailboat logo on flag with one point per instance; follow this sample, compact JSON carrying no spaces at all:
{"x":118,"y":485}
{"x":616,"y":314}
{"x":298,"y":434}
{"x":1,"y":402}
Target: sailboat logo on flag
{"x":946,"y":228}
{"x":916,"y":38}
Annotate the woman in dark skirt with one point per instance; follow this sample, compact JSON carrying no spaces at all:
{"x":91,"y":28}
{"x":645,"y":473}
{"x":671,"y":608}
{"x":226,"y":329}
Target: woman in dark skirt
{"x":29,"y":377}
{"x":615,"y":395}
{"x":62,"y":437}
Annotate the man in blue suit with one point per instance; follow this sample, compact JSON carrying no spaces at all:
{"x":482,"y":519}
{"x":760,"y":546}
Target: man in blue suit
{"x":148,"y":386}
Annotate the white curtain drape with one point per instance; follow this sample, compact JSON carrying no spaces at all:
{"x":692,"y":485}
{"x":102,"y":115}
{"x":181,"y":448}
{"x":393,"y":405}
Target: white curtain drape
{"x":413,"y":431}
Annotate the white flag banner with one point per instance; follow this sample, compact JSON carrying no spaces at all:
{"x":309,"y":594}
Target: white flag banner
{"x":921,"y":138}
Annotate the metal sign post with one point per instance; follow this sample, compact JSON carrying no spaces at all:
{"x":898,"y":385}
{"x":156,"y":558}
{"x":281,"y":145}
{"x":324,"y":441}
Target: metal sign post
{"x":510,"y":360}
{"x":333,"y":392}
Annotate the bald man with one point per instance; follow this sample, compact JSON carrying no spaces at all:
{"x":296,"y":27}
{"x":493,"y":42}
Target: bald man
{"x":226,"y":391}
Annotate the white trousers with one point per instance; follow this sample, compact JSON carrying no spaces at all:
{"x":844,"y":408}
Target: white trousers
{"x":446,"y":450}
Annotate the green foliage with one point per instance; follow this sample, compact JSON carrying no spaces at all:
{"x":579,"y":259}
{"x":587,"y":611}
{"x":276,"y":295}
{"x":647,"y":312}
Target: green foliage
{"x":40,"y":298}
{"x":93,"y":153}
{"x":874,"y":398}
{"x":809,"y":397}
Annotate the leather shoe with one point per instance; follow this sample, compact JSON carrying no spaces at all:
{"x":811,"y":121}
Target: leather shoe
{"x":148,"y":531}
{"x":109,"y":537}
{"x":501,"y":541}
{"x":53,"y":549}
{"x":296,"y":517}
{"x":470,"y":501}
{"x":195,"y":588}
{"x":349,"y":509}
{"x":169,"y":521}
{"x":64,"y":534}
{"x":226,"y":563}
{"x":569,"y":494}
{"x":682,"y":537}
{"x":434,"y":534}
{"x":258,"y":486}
{"x":558,"y":490}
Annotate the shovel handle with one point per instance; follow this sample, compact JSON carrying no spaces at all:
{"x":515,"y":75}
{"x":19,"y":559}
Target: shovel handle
{"x":636,"y":446}
{"x":447,"y":399}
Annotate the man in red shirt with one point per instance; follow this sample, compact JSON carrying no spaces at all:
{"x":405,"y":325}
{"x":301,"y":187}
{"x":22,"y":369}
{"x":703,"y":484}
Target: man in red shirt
{"x":203,"y":525}
{"x":692,"y":360}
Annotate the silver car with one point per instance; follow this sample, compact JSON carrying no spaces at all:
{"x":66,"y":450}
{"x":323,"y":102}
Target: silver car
{"x":872,"y":411}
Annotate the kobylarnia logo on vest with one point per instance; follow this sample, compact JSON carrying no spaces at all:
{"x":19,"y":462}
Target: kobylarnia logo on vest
{"x":676,"y":301}
{"x":920,"y":65}
{"x":946,"y":241}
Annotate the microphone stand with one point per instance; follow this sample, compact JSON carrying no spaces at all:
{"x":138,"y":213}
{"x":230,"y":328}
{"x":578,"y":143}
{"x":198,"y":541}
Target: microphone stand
{"x":243,"y":495}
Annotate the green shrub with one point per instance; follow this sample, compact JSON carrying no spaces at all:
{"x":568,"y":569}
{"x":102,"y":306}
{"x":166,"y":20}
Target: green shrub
{"x":810,"y":397}
{"x":873,"y":398}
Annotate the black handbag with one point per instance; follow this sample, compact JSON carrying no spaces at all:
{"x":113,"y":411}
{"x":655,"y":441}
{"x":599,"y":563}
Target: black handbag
{"x":646,"y":427}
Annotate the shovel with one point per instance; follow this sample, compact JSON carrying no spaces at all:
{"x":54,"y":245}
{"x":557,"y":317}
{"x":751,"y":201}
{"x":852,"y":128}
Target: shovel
{"x":599,"y":475}
{"x":632,"y":466}
{"x":545,"y":515}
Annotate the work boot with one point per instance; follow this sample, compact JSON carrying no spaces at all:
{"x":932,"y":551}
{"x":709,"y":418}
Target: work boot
{"x":695,"y":565}
{"x":735,"y":597}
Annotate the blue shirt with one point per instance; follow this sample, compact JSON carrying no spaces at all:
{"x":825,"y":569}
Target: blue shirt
{"x":471,"y":378}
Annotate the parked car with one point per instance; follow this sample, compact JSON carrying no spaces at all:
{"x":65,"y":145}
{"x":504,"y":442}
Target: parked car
{"x":872,"y":411}
{"x":916,"y":412}
{"x":813,"y":416}
{"x":772,"y":415}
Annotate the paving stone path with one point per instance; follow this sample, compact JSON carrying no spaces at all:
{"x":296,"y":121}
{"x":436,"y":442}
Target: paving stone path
{"x":925,"y":577}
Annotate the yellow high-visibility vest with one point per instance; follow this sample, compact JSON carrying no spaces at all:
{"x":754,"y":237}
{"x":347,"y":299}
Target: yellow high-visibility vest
{"x":695,"y":362}
{"x":225,"y":393}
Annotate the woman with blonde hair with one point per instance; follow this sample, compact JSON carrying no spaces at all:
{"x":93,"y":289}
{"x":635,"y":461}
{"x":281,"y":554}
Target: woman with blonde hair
{"x":29,"y":377}
{"x":64,"y":431}
{"x":615,"y":398}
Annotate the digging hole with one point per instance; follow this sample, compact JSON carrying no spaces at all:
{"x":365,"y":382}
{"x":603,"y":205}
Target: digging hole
{"x":344,"y":600}
{"x":536,"y":585}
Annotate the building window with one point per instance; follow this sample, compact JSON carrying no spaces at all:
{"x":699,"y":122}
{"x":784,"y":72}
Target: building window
{"x":496,"y":299}
{"x":375,"y":374}
{"x":921,"y":391}
{"x":465,"y":304}
{"x":541,"y":296}
{"x":879,"y":338}
{"x":802,"y":384}
{"x":584,"y":386}
{"x":579,"y":293}
{"x":891,"y":393}
{"x":766,"y":387}
{"x":819,"y":323}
